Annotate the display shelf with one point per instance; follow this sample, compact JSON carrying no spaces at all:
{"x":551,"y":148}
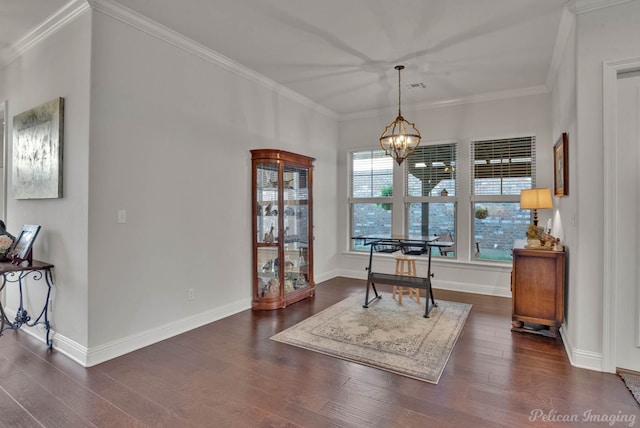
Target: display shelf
{"x":282,"y":228}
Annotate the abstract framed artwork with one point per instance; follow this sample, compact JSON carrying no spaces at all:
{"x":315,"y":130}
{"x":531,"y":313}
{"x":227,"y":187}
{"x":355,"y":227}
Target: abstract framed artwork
{"x":561,"y":166}
{"x":37,"y":151}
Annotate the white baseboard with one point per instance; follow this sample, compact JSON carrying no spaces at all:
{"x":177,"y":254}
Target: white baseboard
{"x":107,"y":351}
{"x":472,"y":288}
{"x":70,"y":348}
{"x":579,"y":358}
{"x":88,"y":357}
{"x":325,"y":276}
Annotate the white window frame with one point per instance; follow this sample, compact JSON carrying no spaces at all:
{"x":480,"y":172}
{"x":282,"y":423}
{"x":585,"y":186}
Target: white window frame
{"x":474,"y":198}
{"x":433,"y":199}
{"x":368,"y":200}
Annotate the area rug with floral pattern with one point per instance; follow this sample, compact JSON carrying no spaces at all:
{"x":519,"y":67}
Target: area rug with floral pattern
{"x":387,"y":335}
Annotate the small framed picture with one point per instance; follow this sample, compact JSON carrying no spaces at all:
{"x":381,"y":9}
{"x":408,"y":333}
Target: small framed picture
{"x":24,"y":242}
{"x":561,"y":166}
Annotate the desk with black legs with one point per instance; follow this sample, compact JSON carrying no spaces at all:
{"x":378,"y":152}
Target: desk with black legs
{"x":409,"y":246}
{"x":11,"y":273}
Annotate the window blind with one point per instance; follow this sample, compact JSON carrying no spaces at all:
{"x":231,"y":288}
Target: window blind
{"x":370,"y":173}
{"x":432,"y":169}
{"x":502,"y":167}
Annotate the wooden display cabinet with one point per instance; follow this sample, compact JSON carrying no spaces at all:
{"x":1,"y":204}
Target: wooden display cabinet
{"x":282,"y":228}
{"x":537,"y":287}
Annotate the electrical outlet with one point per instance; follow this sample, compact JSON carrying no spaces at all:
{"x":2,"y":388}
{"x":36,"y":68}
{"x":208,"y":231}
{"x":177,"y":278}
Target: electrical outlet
{"x":122,"y":216}
{"x":191,"y":294}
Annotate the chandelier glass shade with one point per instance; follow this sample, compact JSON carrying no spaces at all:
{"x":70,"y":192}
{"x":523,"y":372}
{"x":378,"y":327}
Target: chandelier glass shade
{"x":401,"y":137}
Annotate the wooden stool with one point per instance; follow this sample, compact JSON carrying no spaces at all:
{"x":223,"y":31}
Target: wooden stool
{"x":410,"y":271}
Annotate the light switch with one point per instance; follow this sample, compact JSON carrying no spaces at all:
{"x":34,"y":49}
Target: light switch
{"x":122,"y":216}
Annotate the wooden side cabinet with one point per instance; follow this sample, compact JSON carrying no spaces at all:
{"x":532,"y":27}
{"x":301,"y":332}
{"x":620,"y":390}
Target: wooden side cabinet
{"x":537,"y":288}
{"x":282,"y":228}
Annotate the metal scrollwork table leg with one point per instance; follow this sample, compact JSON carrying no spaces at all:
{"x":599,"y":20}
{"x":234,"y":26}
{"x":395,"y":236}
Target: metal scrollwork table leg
{"x":16,"y":274}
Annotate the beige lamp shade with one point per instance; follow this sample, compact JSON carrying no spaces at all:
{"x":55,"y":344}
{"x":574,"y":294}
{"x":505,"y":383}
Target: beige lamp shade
{"x":535,"y":199}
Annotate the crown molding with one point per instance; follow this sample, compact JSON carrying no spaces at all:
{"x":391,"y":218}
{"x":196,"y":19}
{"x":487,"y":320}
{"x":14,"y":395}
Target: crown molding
{"x":142,"y":23}
{"x":567,"y":21}
{"x":584,"y":6}
{"x":76,"y":8}
{"x":60,"y":19}
{"x":477,"y":98}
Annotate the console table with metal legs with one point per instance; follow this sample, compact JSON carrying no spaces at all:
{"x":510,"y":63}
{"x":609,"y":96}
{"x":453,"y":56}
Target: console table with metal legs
{"x":408,"y":246}
{"x":16,"y":274}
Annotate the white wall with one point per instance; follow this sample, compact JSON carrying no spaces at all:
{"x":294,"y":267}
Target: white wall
{"x":58,"y":66}
{"x":516,"y":116}
{"x":170,"y":140}
{"x":603,"y":35}
{"x":564,"y":110}
{"x":161,"y":129}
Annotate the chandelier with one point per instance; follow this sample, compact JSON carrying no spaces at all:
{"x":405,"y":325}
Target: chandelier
{"x":401,"y":137}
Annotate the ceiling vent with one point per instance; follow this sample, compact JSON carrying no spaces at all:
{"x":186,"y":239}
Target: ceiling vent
{"x":419,"y":85}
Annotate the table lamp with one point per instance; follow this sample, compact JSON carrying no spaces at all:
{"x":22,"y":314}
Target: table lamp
{"x":535,"y":199}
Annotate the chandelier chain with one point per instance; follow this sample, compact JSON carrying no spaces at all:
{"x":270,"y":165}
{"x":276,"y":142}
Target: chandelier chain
{"x":399,"y":68}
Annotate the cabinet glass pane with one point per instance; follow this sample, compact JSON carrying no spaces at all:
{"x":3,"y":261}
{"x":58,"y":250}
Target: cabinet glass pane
{"x":296,"y":213}
{"x":268,"y":272}
{"x":296,"y":227}
{"x":296,"y":267}
{"x":267,"y":202}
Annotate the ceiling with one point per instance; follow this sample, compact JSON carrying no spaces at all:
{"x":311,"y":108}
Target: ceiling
{"x":341,"y":53}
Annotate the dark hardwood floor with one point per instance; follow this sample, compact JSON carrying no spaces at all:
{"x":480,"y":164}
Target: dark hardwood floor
{"x":229,"y":373}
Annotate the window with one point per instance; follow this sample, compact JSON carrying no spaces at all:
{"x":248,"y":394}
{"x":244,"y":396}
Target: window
{"x":370,"y":191}
{"x":430,"y":183}
{"x":499,"y":170}
{"x":430,"y":178}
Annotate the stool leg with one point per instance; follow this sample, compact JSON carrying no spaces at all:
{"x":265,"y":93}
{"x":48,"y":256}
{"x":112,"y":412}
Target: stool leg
{"x":409,"y":270}
{"x":412,"y":271}
{"x":415,"y":292}
{"x":395,"y":289}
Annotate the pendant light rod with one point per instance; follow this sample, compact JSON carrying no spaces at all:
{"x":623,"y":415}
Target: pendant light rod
{"x":399,"y":68}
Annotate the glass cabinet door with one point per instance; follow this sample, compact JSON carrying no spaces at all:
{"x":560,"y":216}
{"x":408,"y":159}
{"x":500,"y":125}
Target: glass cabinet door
{"x":267,"y":227}
{"x":267,"y":203}
{"x":296,"y":228}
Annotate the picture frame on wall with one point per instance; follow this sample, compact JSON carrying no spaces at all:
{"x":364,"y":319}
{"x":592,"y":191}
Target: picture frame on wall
{"x":37,"y":151}
{"x":561,"y":166}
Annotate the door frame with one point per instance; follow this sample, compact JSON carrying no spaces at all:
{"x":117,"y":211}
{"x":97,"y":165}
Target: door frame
{"x":4,"y":112}
{"x":4,"y":115}
{"x":610,"y":72}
